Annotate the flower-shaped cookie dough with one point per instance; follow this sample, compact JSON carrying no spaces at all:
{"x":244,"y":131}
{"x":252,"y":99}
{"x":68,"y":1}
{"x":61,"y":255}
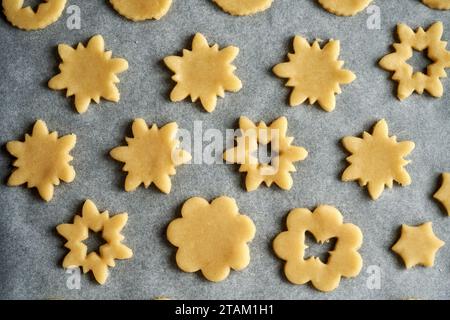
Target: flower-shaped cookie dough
{"x":204,"y":72}
{"x":211,"y":237}
{"x":344,"y":7}
{"x":377,"y":160}
{"x":314,"y":72}
{"x":438,"y":4}
{"x":280,"y":166}
{"x":243,"y":7}
{"x":324,"y":223}
{"x":78,"y":231}
{"x":418,"y":245}
{"x":88,"y":73}
{"x":25,"y":18}
{"x":423,"y":41}
{"x":42,"y":160}
{"x":443,"y":194}
{"x":151,"y":155}
{"x":138,"y":10}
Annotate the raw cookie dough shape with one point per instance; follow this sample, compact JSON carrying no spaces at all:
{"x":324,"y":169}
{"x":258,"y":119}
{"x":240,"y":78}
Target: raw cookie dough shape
{"x":204,"y":72}
{"x":344,"y":7}
{"x":324,"y":223}
{"x":211,"y":237}
{"x":78,"y":231}
{"x":377,"y":159}
{"x":243,"y":7}
{"x":408,"y":80}
{"x":138,"y":10}
{"x":278,"y":171}
{"x":443,"y":194}
{"x":42,"y":160}
{"x":314,"y":73}
{"x":88,"y":73}
{"x":418,"y":245}
{"x":151,"y":156}
{"x":438,"y":4}
{"x":25,"y":18}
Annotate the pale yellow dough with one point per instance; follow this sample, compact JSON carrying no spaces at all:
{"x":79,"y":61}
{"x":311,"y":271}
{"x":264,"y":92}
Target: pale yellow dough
{"x":438,"y":4}
{"x":443,"y":194}
{"x":324,"y":223}
{"x":278,"y":171}
{"x":151,"y":156}
{"x":314,"y":73}
{"x":243,"y":7}
{"x":408,"y":80}
{"x":211,"y":237}
{"x":78,"y":231}
{"x":204,"y":72}
{"x":377,"y":160}
{"x":344,"y":7}
{"x":418,"y":245}
{"x":25,"y":18}
{"x":88,"y":73}
{"x":42,"y":160}
{"x":138,"y":10}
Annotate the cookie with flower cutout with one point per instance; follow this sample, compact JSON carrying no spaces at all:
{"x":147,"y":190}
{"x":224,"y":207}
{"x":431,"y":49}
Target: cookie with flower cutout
{"x":139,"y":10}
{"x":243,"y":7}
{"x":88,"y":73}
{"x":377,"y":160}
{"x":151,"y":155}
{"x":438,"y":4}
{"x":428,"y":41}
{"x":315,"y":73}
{"x":247,"y":146}
{"x":325,"y":223}
{"x":78,"y":231}
{"x":443,"y":194}
{"x":344,"y":7}
{"x":203,"y":73}
{"x":42,"y":160}
{"x":211,"y":237}
{"x":25,"y":18}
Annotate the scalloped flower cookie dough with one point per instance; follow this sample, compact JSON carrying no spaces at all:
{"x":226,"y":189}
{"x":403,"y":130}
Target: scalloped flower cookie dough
{"x":25,"y":18}
{"x":344,"y":7}
{"x":204,"y":72}
{"x":139,"y":10}
{"x":443,"y":194}
{"x":423,"y":41}
{"x":245,"y":153}
{"x":78,"y":231}
{"x":377,"y":160}
{"x":314,"y":73}
{"x":42,"y":160}
{"x":438,"y":4}
{"x":243,"y":7}
{"x":151,"y":156}
{"x":418,"y":245}
{"x":211,"y":237}
{"x":324,"y":223}
{"x":88,"y":73}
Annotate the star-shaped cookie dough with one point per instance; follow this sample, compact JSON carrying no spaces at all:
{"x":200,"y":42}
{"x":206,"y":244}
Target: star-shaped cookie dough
{"x":418,"y":245}
{"x":443,"y":194}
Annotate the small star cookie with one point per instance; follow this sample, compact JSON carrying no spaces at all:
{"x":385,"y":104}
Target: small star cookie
{"x":443,"y":194}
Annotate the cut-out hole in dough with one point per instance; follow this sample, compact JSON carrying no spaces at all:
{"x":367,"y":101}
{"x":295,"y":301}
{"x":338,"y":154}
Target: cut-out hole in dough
{"x":33,"y":4}
{"x":265,"y":154}
{"x":94,"y":241}
{"x":420,"y":61}
{"x":317,"y":249}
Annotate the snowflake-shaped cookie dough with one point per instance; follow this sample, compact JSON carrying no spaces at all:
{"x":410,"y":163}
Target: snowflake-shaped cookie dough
{"x":138,"y":10}
{"x":243,"y":7}
{"x":42,"y":160}
{"x":438,"y":4}
{"x":78,"y":231}
{"x":423,"y":41}
{"x":25,"y":18}
{"x":151,"y":155}
{"x":443,"y":194}
{"x":211,"y":237}
{"x":88,"y":73}
{"x":204,"y":72}
{"x":344,"y":7}
{"x":280,"y":166}
{"x":314,"y":72}
{"x":418,"y":245}
{"x":377,"y":160}
{"x":324,"y":223}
